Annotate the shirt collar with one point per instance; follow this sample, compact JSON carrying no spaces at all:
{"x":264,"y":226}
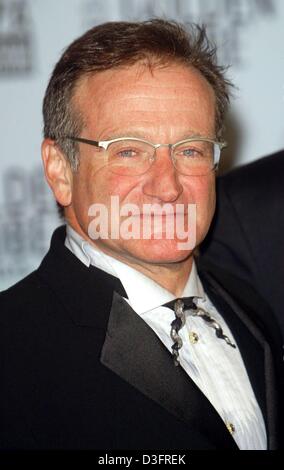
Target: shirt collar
{"x":144,"y":294}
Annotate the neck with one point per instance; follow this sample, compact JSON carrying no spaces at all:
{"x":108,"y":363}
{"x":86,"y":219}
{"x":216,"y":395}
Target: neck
{"x":171,"y":276}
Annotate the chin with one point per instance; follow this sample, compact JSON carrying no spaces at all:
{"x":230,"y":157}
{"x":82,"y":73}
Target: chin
{"x":157,"y":251}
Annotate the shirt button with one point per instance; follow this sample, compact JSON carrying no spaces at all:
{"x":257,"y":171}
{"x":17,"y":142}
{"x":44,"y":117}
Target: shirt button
{"x":193,"y":337}
{"x":231,"y":428}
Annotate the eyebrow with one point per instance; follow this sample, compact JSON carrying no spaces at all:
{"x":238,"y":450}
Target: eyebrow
{"x":141,"y":135}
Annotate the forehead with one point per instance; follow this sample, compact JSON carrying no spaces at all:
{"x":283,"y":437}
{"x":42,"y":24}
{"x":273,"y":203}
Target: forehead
{"x":174,"y":95}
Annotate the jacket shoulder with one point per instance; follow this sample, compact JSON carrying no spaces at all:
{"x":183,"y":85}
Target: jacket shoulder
{"x":245,"y":296}
{"x":24,"y":300}
{"x":255,"y":175}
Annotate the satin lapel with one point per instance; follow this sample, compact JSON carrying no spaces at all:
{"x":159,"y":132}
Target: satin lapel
{"x":134,"y":352}
{"x":252,"y":345}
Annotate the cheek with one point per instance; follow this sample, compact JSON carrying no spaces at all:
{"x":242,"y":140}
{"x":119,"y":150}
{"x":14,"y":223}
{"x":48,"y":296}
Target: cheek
{"x":202,"y":192}
{"x":93,"y":185}
{"x":207,"y":192}
{"x":206,"y":209}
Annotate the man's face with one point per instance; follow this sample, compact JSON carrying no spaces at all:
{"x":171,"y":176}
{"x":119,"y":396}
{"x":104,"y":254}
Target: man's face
{"x":165,"y":105}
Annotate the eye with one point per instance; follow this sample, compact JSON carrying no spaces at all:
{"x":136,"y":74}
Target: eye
{"x":127,"y":153}
{"x":190,"y":152}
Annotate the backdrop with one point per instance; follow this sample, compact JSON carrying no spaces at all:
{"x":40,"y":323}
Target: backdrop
{"x":33,"y":34}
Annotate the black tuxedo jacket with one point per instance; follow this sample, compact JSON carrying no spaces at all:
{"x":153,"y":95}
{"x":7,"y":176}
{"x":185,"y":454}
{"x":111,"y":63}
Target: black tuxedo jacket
{"x":246,"y":237}
{"x":80,"y":370}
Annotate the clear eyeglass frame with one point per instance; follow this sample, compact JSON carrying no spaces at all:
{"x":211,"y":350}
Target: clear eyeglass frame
{"x":129,"y":170}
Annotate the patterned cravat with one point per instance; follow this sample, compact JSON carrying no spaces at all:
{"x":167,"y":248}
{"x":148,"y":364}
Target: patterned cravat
{"x":180,"y":306}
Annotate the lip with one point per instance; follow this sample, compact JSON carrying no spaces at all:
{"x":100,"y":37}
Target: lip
{"x":175,"y":214}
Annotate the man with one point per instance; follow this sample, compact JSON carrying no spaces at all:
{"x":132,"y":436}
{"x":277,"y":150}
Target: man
{"x":116,"y":341}
{"x":246,"y":237}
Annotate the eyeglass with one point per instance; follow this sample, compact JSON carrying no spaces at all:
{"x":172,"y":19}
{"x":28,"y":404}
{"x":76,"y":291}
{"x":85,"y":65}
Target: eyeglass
{"x":128,"y":156}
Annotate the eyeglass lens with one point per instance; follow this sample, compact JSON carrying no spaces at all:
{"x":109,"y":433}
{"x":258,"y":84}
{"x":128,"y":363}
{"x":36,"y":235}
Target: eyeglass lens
{"x":132,"y":157}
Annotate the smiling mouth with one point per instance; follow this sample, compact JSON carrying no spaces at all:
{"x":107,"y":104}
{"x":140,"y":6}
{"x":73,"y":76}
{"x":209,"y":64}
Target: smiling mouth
{"x":154,"y":215}
{"x":158,"y":216}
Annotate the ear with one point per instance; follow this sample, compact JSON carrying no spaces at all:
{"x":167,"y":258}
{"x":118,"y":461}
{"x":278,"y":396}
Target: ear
{"x":58,"y":172}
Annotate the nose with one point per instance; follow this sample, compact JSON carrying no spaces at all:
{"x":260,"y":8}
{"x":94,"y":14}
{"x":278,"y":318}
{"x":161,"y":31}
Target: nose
{"x":162,"y":180}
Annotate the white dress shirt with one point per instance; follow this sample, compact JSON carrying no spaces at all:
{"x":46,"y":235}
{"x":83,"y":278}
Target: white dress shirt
{"x":215,"y":367}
